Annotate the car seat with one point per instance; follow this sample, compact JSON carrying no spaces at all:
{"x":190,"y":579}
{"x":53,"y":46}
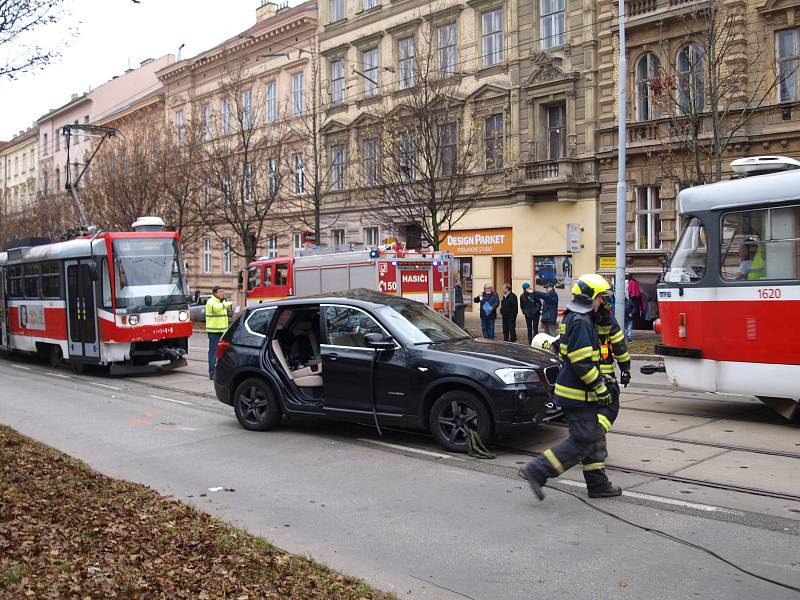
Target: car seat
{"x":304,"y":377}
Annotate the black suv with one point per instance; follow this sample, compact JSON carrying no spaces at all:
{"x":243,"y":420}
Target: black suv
{"x":368,"y":357}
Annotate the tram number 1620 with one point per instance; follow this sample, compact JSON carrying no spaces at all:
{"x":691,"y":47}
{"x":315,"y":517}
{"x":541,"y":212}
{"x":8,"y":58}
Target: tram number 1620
{"x":769,"y":293}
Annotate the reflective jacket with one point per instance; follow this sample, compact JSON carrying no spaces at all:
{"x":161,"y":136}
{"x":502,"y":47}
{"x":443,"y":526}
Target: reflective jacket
{"x":579,"y":380}
{"x":612,"y":344}
{"x":216,"y":315}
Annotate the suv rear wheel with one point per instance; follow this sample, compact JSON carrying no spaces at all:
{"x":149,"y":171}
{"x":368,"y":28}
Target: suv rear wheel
{"x":256,"y":406}
{"x":453,"y":414}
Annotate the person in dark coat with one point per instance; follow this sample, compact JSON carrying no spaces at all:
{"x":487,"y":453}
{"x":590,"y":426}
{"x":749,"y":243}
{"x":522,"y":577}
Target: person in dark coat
{"x":458,"y":308}
{"x":488,"y":301}
{"x":630,"y":309}
{"x":509,"y":309}
{"x":531,"y":308}
{"x":549,"y":300}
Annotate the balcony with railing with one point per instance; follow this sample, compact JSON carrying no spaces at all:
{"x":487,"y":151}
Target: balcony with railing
{"x":643,"y":10}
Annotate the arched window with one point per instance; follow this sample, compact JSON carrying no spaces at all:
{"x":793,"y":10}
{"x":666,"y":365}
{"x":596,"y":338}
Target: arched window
{"x":647,"y":77}
{"x":691,"y":79}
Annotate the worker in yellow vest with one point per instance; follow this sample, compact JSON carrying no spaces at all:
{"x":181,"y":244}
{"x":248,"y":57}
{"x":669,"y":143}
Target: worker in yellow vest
{"x":216,"y":324}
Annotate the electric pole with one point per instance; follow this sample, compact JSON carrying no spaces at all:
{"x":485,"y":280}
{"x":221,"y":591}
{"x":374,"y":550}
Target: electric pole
{"x":622,"y":133}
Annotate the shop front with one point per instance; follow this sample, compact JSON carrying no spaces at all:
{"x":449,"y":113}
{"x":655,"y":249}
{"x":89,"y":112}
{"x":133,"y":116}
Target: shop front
{"x":640,"y":286}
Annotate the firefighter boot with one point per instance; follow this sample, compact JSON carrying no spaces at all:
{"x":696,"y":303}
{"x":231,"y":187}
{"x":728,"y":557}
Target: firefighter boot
{"x":534,"y":477}
{"x":609,"y":491}
{"x":597,"y":483}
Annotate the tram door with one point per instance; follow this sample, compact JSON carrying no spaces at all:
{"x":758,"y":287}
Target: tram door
{"x":81,"y":313}
{"x":3,"y":334}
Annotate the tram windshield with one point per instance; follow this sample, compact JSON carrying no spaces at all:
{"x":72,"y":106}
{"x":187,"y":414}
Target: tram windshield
{"x":688,"y":263}
{"x":148,"y":273}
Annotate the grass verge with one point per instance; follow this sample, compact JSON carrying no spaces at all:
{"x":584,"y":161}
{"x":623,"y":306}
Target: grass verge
{"x":67,"y":531}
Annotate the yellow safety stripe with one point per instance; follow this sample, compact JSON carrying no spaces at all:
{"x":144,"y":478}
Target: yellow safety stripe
{"x":605,"y":422}
{"x":624,"y":357}
{"x":580,"y":353}
{"x":607,"y":369}
{"x":595,"y":466}
{"x":590,"y":376}
{"x":553,"y":460}
{"x":571,"y":393}
{"x":603,"y":329}
{"x":616,"y":337}
{"x":562,"y":328}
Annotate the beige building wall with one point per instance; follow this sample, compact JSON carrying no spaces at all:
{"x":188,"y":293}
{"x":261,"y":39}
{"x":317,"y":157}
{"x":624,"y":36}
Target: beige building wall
{"x":20,"y":160}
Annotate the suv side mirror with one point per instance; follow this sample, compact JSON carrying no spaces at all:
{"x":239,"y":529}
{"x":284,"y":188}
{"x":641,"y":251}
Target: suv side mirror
{"x":379,"y":341}
{"x":196,"y":296}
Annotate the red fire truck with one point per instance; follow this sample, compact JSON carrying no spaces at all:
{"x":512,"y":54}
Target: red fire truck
{"x":421,"y":276}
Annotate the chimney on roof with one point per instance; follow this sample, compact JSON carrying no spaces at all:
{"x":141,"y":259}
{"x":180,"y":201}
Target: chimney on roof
{"x":266,"y":10}
{"x":74,"y":97}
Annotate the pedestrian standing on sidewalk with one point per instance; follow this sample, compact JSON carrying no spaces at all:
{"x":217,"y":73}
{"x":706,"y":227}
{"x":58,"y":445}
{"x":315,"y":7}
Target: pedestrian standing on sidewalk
{"x":630,"y":308}
{"x":216,"y":324}
{"x":488,"y":301}
{"x":459,"y":306}
{"x":531,"y":308}
{"x":549,"y":300}
{"x":509,"y":309}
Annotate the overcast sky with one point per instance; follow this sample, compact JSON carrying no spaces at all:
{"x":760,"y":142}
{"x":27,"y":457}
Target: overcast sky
{"x":111,"y":34}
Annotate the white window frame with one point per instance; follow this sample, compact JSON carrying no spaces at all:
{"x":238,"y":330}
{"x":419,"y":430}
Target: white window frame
{"x":297,"y":242}
{"x":272,"y":177}
{"x":227,"y":256}
{"x":248,"y":182}
{"x":492,"y":37}
{"x":408,"y":156}
{"x":371,"y":236}
{"x":206,"y":116}
{"x":494,"y":141}
{"x":652,"y":216}
{"x":338,"y":237}
{"x":272,"y":101}
{"x":369,"y":4}
{"x":298,"y":93}
{"x":691,"y":81}
{"x":247,"y":109}
{"x":407,"y":55}
{"x":206,"y":256}
{"x":647,"y":70}
{"x":226,"y":115}
{"x":337,"y":80}
{"x":448,"y":149}
{"x":552,"y":23}
{"x":45,"y":148}
{"x":338,"y":166}
{"x":337,"y":10}
{"x":370,"y":149}
{"x":298,"y":164}
{"x":446,"y":49}
{"x":557,"y":131}
{"x":369,"y":63}
{"x":789,"y":84}
{"x":180,"y":127}
{"x":272,"y":245}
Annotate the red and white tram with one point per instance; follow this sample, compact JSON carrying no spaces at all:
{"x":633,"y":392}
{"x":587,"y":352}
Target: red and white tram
{"x":729,"y":302}
{"x":116,"y":299}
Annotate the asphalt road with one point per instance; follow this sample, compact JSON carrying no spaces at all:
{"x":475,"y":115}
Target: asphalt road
{"x":422,"y":527}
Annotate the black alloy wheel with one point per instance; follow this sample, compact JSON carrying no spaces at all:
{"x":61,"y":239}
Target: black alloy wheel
{"x":454,"y":414}
{"x":256,"y":406}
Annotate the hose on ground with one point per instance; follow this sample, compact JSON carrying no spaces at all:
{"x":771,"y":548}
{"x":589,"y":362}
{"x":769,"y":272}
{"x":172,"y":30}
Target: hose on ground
{"x":475,"y":446}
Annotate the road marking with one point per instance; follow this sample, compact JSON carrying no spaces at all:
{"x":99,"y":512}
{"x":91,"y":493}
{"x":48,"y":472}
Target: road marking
{"x":21,"y":367}
{"x":408,"y":449}
{"x":104,"y":385}
{"x":198,"y":348}
{"x":57,"y":375}
{"x":171,"y":400}
{"x":662,"y":499}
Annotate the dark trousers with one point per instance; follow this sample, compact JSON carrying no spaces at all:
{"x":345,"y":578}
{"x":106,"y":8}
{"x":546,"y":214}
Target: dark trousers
{"x":487,"y":328}
{"x":458,"y":316}
{"x":550,"y":328}
{"x":586,"y":444}
{"x":533,"y":327}
{"x":510,"y":329}
{"x":213,"y":340}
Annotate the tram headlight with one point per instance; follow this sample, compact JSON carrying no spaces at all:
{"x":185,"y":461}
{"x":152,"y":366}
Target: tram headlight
{"x":133,"y":320}
{"x":183,"y":316}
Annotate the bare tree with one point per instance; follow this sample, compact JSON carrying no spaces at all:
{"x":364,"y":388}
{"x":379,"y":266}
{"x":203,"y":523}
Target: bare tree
{"x":21,"y":21}
{"x":429,"y":155}
{"x":713,"y":90}
{"x":242,"y":170}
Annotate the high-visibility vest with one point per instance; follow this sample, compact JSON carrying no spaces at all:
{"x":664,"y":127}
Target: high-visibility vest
{"x":216,"y":315}
{"x":758,"y":267}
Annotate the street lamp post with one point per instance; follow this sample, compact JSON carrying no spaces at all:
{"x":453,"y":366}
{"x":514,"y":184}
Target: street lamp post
{"x":621,"y":184}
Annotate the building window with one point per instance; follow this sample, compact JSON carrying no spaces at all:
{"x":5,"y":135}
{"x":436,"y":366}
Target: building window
{"x":408,"y":63}
{"x":75,"y":137}
{"x":369,"y":60}
{"x":691,"y":79}
{"x":787,"y":45}
{"x":180,"y":127}
{"x":297,"y":242}
{"x":337,"y":81}
{"x":370,"y":147}
{"x":298,"y":94}
{"x":337,"y":167}
{"x":45,"y":149}
{"x":33,"y":160}
{"x":24,"y":163}
{"x":556,"y":131}
{"x":58,"y":180}
{"x":552,"y":19}
{"x":272,"y":246}
{"x":247,"y":109}
{"x":648,"y":218}
{"x":492,"y":37}
{"x":272,"y":177}
{"x":299,"y":174}
{"x":648,"y":73}
{"x":226,"y":115}
{"x":446,"y":49}
{"x":272,"y":102}
{"x":448,"y":149}
{"x":371,"y":235}
{"x":248,"y":182}
{"x":226,"y":187}
{"x":86,"y":122}
{"x":337,"y":235}
{"x":227,"y":258}
{"x":408,"y":157}
{"x":57,"y":141}
{"x":493,"y":141}
{"x":337,"y":10}
{"x":206,"y":121}
{"x":206,"y":256}
{"x":206,"y":192}
{"x":368,"y":4}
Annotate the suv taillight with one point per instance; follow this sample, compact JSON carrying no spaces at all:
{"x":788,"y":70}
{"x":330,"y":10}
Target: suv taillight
{"x":222,"y":347}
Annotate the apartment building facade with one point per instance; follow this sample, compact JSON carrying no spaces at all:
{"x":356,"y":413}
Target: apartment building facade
{"x":670,"y":90}
{"x":19,"y":171}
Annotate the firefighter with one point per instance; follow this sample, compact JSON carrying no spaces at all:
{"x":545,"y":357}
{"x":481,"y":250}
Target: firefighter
{"x":580,"y":391}
{"x":216,"y":324}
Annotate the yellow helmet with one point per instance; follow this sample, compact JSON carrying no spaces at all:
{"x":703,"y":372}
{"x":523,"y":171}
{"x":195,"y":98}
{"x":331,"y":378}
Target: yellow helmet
{"x":587,"y":287}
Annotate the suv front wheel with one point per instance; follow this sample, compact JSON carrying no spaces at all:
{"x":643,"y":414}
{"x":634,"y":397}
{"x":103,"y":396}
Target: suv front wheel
{"x":256,"y":406}
{"x":453,"y":414}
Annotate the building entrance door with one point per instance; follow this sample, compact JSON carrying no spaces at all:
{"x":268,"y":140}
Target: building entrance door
{"x":502,"y":272}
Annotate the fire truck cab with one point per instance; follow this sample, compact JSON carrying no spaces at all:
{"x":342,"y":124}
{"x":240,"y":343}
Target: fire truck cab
{"x":422,"y":276}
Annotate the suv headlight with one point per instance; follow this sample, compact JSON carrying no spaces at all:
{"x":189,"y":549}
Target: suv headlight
{"x":512,"y":376}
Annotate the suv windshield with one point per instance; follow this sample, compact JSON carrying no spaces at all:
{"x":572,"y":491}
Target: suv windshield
{"x":688,"y":263}
{"x":148,"y":267}
{"x":421,"y":325}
